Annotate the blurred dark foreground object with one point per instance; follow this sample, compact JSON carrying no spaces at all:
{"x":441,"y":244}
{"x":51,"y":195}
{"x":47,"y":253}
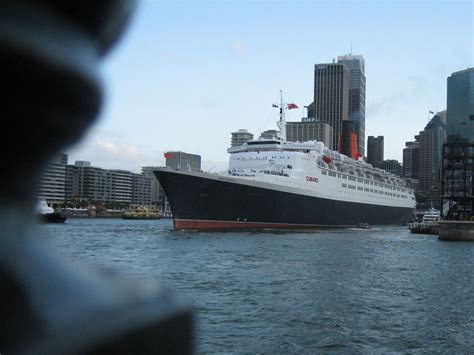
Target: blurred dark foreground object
{"x":50,"y":52}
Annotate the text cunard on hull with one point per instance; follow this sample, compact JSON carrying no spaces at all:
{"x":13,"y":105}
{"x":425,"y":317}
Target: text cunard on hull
{"x":273,"y":183}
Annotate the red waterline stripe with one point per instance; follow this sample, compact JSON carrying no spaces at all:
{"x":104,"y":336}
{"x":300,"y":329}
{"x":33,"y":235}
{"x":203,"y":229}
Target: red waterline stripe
{"x":202,"y":224}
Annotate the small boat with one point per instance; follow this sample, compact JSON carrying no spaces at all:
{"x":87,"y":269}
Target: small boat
{"x":431,"y":216}
{"x":428,"y":224}
{"x":363,"y":226}
{"x":47,"y":214}
{"x":141,"y":215}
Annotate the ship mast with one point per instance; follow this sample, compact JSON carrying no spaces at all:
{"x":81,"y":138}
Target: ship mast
{"x":282,"y":123}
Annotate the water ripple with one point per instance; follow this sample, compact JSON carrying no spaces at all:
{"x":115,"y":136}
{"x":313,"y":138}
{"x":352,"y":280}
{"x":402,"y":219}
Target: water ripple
{"x":351,"y":291}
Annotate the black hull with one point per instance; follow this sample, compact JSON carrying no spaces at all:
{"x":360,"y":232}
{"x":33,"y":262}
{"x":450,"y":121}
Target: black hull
{"x":199,"y":202}
{"x":54,"y":217}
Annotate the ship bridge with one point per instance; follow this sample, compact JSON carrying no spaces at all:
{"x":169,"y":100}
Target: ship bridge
{"x":275,"y":144}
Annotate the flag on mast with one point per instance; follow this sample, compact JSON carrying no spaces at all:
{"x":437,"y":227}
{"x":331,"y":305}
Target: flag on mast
{"x":291,"y":106}
{"x":273,"y":105}
{"x":432,"y":112}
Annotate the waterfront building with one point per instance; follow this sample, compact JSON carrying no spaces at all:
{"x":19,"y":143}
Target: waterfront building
{"x":240,"y":137}
{"x":356,"y":66}
{"x":91,"y":183}
{"x":309,"y":130}
{"x":431,"y":143}
{"x":122,"y":186}
{"x":331,"y":97}
{"x":51,"y":185}
{"x":375,"y":147}
{"x":157,"y":194}
{"x":111,"y":186}
{"x":99,"y":185}
{"x":183,"y":161}
{"x":392,"y":166}
{"x":141,"y":189}
{"x":460,"y":106}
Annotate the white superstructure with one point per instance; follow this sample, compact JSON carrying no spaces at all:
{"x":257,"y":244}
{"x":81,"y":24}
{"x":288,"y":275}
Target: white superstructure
{"x":310,"y":168}
{"x":319,"y":172}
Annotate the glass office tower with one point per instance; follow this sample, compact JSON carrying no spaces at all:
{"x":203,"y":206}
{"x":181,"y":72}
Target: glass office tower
{"x":356,"y":66}
{"x":460,"y":106}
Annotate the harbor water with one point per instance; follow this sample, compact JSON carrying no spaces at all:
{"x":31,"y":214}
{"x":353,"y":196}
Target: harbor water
{"x":354,"y":290}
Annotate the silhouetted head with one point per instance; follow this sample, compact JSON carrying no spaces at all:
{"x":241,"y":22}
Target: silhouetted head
{"x":49,"y":54}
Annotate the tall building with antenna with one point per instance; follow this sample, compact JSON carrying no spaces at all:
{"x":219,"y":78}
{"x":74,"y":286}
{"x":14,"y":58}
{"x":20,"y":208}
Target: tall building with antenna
{"x":331,"y":96}
{"x":356,"y":66}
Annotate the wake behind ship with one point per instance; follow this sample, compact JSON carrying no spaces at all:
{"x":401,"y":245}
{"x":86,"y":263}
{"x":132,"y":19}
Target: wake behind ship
{"x":273,"y":183}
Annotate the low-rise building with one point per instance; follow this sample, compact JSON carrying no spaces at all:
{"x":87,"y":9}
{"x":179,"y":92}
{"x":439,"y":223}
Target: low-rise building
{"x":52,"y":183}
{"x":309,"y":130}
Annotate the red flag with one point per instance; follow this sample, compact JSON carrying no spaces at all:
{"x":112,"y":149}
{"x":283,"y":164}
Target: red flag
{"x":291,"y":106}
{"x":167,"y":155}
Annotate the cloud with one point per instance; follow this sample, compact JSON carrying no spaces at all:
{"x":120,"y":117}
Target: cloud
{"x":129,"y":151}
{"x":386,"y":104}
{"x":413,"y":92}
{"x":239,"y":48}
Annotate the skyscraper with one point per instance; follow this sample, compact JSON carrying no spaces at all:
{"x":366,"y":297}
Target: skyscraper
{"x":331,"y":96}
{"x":411,"y":160}
{"x":375,"y":150}
{"x":458,"y":170}
{"x":356,"y":66}
{"x":411,"y":163}
{"x":460,"y":106}
{"x":431,"y":140}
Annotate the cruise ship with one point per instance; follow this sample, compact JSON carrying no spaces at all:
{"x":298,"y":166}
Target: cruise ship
{"x":274,"y":183}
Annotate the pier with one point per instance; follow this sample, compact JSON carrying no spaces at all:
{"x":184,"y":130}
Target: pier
{"x":424,"y":228}
{"x":456,"y":230}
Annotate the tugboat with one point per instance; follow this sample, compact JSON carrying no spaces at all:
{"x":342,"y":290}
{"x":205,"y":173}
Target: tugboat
{"x":275,"y":183}
{"x":47,"y":214}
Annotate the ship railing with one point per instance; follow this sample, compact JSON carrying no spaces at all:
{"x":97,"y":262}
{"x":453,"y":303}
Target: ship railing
{"x":278,"y":173}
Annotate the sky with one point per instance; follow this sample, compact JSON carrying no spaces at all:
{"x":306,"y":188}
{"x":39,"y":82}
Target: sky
{"x":188,"y":73}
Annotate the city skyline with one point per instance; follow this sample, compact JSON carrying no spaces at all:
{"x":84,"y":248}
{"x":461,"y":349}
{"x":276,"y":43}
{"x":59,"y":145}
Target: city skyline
{"x":186,"y":75}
